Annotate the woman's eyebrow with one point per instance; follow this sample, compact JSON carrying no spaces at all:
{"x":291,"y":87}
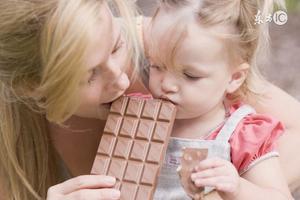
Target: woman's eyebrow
{"x":94,"y":67}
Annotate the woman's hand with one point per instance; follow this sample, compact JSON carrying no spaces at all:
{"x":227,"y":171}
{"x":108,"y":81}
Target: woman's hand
{"x":217,"y":173}
{"x":90,"y":187}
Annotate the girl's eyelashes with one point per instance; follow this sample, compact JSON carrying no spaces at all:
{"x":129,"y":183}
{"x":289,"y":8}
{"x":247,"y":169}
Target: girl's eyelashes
{"x":191,"y":77}
{"x":187,"y":75}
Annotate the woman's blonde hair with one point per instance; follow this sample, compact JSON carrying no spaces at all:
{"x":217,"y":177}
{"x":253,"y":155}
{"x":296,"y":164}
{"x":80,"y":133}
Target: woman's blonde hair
{"x":43,"y":46}
{"x":249,"y":39}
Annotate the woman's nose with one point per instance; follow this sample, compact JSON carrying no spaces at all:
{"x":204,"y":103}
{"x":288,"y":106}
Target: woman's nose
{"x":118,"y":80}
{"x":122,"y":83}
{"x":169,"y":83}
{"x":113,"y":71}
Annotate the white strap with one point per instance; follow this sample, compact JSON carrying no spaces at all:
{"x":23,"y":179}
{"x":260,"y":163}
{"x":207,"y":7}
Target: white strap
{"x":232,"y":122}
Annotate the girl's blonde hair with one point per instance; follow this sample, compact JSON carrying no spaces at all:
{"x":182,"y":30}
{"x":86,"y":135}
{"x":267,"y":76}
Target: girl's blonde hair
{"x":250,"y":37}
{"x":43,"y":46}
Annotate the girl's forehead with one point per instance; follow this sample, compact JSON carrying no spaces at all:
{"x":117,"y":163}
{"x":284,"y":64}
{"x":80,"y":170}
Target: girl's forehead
{"x":204,"y":39}
{"x":182,"y":37}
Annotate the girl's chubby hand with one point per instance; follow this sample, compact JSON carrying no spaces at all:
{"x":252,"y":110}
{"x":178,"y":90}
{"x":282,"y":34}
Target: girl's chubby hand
{"x":217,"y":173}
{"x":89,"y":187}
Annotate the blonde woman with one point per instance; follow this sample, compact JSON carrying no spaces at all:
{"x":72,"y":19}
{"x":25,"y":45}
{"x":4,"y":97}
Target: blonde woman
{"x":61,"y":63}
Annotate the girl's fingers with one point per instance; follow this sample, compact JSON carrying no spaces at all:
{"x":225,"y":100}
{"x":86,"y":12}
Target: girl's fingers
{"x":206,"y":173}
{"x":210,"y":163}
{"x":83,"y":182}
{"x":210,"y":172}
{"x":89,"y":194}
{"x":226,"y":187}
{"x":211,"y":182}
{"x":221,"y":183}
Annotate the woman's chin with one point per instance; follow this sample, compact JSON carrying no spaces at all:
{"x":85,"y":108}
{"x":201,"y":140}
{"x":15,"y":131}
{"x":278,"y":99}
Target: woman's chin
{"x":103,"y":111}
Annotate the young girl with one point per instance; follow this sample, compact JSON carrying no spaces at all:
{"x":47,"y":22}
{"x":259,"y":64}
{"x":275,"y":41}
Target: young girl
{"x":203,"y":58}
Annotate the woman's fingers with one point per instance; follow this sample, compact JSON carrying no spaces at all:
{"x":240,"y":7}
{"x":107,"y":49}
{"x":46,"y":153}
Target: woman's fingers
{"x":83,"y":182}
{"x":89,"y":194}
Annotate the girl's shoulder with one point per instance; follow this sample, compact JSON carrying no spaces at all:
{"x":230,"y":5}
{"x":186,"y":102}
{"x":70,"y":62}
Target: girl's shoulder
{"x":254,"y":139}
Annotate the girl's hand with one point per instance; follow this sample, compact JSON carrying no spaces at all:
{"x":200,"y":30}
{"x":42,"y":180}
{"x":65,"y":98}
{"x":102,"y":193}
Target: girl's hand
{"x":89,"y":187}
{"x":218,"y":173}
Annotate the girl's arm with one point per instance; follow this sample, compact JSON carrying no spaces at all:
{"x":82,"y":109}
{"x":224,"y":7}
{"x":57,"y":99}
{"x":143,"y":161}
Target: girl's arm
{"x":287,"y":109}
{"x":264,"y":181}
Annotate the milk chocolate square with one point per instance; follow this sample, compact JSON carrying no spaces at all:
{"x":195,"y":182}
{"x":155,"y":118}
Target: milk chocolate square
{"x":134,"y":143}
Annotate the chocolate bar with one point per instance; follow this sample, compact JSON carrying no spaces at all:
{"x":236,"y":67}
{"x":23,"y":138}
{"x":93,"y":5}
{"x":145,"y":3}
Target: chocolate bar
{"x":133,"y":144}
{"x":189,"y":160}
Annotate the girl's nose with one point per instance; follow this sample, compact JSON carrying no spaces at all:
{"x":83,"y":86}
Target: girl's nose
{"x":169,"y":84}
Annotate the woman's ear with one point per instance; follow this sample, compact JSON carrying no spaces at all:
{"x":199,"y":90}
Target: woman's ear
{"x":238,"y":76}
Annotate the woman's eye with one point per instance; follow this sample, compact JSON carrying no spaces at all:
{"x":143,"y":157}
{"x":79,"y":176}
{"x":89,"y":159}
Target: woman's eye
{"x":117,"y":47}
{"x":191,"y":77}
{"x":93,"y":76}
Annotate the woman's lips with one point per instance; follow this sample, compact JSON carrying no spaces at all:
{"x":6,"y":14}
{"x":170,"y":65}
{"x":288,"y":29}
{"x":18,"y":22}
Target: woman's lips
{"x":114,"y":96}
{"x":107,"y":104}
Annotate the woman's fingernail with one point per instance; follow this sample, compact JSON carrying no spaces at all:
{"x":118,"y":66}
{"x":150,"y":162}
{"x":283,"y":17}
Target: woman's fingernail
{"x":116,"y":194}
{"x":111,"y":180}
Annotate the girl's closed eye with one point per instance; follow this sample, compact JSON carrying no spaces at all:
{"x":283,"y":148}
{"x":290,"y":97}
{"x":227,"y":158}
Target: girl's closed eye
{"x":191,"y":76}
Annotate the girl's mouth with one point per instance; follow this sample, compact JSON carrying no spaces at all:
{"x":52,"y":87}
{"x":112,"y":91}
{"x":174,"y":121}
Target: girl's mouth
{"x":167,"y":99}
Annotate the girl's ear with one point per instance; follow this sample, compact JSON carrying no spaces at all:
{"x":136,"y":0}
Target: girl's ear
{"x":238,"y":77}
